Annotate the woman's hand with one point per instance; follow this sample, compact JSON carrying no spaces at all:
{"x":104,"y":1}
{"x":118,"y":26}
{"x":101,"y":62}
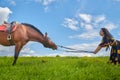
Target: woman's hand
{"x":97,"y":49}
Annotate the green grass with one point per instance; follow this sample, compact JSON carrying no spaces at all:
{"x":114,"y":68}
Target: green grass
{"x":58,"y":68}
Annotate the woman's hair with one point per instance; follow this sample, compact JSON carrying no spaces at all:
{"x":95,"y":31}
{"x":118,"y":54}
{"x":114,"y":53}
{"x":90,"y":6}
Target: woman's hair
{"x":107,"y":34}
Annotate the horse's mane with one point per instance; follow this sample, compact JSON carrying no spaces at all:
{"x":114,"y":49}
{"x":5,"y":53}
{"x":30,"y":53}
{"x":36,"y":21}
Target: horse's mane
{"x":29,"y":25}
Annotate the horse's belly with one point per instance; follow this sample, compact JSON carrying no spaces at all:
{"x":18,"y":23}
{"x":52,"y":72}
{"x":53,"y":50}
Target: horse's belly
{"x":5,"y":43}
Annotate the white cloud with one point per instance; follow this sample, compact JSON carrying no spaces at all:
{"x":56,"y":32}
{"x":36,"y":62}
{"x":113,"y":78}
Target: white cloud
{"x":12,"y":2}
{"x":64,"y":54}
{"x":27,"y":50}
{"x":88,"y":27}
{"x":4,"y":14}
{"x":86,"y":17}
{"x":6,"y":51}
{"x":86,"y":35}
{"x":45,"y":2}
{"x":89,"y":24}
{"x":85,"y":46}
{"x":100,"y":18}
{"x":71,"y":23}
{"x":110,"y":26}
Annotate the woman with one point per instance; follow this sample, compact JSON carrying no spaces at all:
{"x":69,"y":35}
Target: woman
{"x":107,"y":41}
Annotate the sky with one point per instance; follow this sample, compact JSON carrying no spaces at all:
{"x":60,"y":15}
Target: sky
{"x":72,"y":23}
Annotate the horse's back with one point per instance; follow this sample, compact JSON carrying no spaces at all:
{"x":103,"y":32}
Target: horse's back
{"x":21,"y":33}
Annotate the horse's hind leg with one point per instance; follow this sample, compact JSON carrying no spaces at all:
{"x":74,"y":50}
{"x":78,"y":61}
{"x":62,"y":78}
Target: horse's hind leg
{"x":18,"y":47}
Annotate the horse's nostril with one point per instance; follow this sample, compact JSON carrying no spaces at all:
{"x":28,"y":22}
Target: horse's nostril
{"x":54,"y":48}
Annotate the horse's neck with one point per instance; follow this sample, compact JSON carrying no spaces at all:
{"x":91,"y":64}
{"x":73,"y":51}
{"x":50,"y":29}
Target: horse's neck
{"x":35,"y":36}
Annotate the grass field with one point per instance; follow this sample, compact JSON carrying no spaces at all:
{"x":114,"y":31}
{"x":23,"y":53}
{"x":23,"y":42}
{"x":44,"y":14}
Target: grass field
{"x":58,"y":68}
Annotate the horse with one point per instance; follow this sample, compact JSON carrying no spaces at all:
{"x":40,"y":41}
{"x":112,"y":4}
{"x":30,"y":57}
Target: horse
{"x":23,"y":34}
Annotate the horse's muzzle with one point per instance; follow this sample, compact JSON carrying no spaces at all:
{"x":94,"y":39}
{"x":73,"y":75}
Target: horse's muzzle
{"x":55,"y":48}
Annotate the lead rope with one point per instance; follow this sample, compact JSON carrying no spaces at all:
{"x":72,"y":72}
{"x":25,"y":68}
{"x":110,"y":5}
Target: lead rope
{"x":66,"y":47}
{"x":73,"y":50}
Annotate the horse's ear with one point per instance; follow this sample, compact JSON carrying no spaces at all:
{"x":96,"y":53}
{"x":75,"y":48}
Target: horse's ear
{"x":46,"y":34}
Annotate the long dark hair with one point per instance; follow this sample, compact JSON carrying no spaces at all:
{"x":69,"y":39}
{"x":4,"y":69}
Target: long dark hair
{"x":107,"y":34}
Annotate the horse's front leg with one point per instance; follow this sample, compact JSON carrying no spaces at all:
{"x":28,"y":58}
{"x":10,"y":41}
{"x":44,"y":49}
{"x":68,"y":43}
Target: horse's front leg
{"x":18,"y":47}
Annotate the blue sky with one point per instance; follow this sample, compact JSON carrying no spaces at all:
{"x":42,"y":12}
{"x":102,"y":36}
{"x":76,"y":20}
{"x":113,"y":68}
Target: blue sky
{"x":72,"y":23}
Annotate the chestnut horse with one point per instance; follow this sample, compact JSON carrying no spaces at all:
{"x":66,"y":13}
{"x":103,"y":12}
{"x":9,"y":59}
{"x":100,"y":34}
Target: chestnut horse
{"x":23,"y":34}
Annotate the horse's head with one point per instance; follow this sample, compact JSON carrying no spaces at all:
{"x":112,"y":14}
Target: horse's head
{"x":48,"y":43}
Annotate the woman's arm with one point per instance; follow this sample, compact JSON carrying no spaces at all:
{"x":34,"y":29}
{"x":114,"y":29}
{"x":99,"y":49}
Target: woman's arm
{"x":97,"y":49}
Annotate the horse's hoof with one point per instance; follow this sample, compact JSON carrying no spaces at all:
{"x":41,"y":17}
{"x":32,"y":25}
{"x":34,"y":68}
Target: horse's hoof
{"x":13,"y":64}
